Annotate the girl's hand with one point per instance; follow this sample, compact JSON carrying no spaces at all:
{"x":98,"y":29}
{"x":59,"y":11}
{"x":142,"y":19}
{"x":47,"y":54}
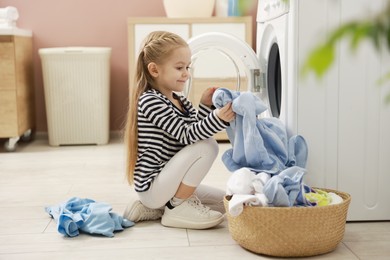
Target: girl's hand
{"x":207,"y":96}
{"x":226,"y":113}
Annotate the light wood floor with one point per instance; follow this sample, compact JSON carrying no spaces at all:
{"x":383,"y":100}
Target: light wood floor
{"x":37,"y":175}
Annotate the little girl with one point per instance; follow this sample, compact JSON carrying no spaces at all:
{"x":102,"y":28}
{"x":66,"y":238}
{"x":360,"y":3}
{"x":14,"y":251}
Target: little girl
{"x":170,"y":149}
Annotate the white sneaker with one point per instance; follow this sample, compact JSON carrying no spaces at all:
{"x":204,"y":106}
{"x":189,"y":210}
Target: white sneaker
{"x":137,"y":212}
{"x":191,"y":214}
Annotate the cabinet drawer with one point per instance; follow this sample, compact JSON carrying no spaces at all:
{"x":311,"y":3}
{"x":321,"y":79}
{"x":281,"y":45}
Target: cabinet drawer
{"x":7,"y":62}
{"x":8,"y":114}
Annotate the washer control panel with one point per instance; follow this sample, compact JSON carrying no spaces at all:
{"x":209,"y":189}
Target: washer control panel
{"x":271,"y":9}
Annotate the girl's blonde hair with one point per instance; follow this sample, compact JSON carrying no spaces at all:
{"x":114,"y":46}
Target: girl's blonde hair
{"x":157,"y":47}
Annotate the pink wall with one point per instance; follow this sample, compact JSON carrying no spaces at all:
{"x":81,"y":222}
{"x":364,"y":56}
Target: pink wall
{"x":84,"y":23}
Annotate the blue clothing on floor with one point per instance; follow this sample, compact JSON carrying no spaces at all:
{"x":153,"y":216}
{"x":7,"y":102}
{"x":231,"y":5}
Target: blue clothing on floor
{"x":88,"y":216}
{"x":261,"y":145}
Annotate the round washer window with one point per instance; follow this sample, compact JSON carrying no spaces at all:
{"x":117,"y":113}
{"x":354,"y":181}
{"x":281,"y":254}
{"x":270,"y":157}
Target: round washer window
{"x":274,"y":80}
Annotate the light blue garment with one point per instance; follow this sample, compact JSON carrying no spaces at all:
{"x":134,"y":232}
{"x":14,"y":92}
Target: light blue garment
{"x":286,"y":189}
{"x":88,"y":216}
{"x":297,"y":151}
{"x":259,"y":144}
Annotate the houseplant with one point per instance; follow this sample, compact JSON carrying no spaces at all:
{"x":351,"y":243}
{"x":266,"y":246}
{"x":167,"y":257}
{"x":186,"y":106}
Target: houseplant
{"x":375,"y":29}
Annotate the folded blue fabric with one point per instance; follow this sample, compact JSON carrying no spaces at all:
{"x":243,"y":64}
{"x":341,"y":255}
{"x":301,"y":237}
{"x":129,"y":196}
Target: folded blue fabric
{"x":261,"y":145}
{"x":86,"y":215}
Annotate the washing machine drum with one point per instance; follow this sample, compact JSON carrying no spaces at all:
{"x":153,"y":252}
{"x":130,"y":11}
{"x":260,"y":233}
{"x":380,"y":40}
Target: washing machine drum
{"x":236,"y":59}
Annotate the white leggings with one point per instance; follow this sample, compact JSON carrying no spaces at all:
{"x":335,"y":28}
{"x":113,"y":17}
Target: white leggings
{"x":189,"y":166}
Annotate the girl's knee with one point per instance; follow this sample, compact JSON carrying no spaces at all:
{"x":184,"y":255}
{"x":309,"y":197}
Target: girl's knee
{"x":210,"y":147}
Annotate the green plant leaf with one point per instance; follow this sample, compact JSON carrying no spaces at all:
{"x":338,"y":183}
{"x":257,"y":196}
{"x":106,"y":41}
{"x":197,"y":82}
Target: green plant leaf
{"x":387,"y":98}
{"x":388,"y":36}
{"x":342,"y":32}
{"x":375,"y":29}
{"x":360,"y":32}
{"x":374,"y":34}
{"x":384,"y":79}
{"x":319,"y":60}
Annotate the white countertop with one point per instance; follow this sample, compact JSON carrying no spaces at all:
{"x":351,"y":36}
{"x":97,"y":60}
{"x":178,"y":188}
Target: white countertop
{"x":14,"y":31}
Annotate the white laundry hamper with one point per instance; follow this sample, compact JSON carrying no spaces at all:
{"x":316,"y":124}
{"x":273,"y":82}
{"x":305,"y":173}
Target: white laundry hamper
{"x":77,"y":93}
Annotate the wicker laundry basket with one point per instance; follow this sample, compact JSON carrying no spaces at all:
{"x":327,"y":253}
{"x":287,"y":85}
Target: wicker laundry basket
{"x":290,"y":231}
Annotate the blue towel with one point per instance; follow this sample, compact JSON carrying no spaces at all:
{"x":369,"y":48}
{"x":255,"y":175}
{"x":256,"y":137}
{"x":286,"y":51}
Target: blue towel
{"x":286,"y":189}
{"x":88,"y":216}
{"x":261,"y":145}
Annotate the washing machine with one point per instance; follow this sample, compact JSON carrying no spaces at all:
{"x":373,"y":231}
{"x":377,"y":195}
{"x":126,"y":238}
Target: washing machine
{"x":347,"y":149}
{"x":338,"y":115}
{"x":272,"y":50}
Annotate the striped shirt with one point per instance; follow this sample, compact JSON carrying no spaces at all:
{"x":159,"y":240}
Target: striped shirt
{"x":163,"y":130}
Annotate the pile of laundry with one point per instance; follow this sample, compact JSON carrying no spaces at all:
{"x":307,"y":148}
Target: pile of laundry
{"x":286,"y":189}
{"x":267,"y":166}
{"x":86,"y":215}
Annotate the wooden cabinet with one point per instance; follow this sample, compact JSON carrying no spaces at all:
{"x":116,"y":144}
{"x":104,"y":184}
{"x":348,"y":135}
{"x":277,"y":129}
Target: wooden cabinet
{"x":210,"y":72}
{"x":16,"y":88}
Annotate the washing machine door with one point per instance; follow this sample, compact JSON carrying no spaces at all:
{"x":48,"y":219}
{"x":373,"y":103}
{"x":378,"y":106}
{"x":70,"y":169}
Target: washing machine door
{"x":272,"y":43}
{"x":223,"y":60}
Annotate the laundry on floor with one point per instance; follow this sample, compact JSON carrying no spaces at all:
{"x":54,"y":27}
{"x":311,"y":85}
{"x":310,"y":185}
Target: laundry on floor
{"x":88,"y":216}
{"x":267,"y":166}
